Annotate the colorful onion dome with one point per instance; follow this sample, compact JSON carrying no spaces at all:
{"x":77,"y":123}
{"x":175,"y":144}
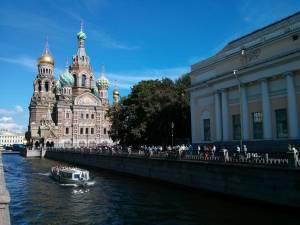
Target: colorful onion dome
{"x":81,"y":34}
{"x":102,"y":82}
{"x":116,"y":93}
{"x":58,"y":86}
{"x":95,"y":91}
{"x":66,"y":79}
{"x":46,"y":58}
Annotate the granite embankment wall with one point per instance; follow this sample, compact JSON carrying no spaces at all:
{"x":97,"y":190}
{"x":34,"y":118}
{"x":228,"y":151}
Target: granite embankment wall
{"x":4,"y":198}
{"x":273,"y":185}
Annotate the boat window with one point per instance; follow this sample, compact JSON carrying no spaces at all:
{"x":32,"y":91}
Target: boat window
{"x":76,"y":176}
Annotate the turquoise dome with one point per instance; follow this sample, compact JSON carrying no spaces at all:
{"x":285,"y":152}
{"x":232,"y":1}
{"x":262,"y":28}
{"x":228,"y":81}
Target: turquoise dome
{"x":58,"y":86}
{"x":81,"y":35}
{"x":66,"y":79}
{"x":102,"y":83}
{"x":95,"y":91}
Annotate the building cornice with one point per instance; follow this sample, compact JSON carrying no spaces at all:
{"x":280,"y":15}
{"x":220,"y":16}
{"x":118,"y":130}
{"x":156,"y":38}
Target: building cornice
{"x":247,"y":68}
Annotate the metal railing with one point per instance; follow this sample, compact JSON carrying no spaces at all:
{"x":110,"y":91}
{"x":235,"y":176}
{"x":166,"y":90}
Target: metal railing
{"x":273,"y":159}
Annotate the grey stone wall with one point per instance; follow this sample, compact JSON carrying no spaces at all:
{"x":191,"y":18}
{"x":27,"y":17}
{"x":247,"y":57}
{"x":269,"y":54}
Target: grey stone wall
{"x":4,"y":198}
{"x":273,"y":185}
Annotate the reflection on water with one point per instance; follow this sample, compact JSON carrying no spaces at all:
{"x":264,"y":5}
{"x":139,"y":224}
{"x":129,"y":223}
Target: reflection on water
{"x":120,"y":200}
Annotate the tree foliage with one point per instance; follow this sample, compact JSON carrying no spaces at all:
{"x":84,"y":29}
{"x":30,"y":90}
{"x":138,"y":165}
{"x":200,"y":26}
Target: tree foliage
{"x":145,"y":115}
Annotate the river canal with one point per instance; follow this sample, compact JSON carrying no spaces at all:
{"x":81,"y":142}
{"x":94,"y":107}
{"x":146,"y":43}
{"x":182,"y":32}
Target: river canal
{"x":120,"y":200}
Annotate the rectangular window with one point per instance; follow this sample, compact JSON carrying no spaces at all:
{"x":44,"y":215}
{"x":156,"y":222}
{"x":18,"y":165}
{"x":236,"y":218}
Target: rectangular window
{"x":206,"y":125}
{"x":81,"y":130}
{"x":104,"y":131}
{"x":86,"y":130}
{"x":257,"y":121}
{"x":81,"y":115}
{"x":92,"y":116}
{"x":67,"y":130}
{"x":67,"y":115}
{"x":87,"y":116}
{"x":236,"y":127}
{"x":281,"y":123}
{"x":92,"y":130}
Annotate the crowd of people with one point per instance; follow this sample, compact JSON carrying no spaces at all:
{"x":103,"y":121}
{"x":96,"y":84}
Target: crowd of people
{"x":206,"y":151}
{"x":180,"y":150}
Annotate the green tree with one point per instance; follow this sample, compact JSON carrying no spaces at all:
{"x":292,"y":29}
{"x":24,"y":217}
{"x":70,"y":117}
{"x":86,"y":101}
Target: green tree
{"x":145,"y":116}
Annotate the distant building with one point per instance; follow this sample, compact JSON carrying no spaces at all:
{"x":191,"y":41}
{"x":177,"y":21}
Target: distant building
{"x":266,"y":64}
{"x":70,"y":111}
{"x":8,"y":138}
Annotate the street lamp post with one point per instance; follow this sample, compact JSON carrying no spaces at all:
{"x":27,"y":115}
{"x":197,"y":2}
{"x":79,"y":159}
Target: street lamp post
{"x":241,"y":109}
{"x":172,"y":133}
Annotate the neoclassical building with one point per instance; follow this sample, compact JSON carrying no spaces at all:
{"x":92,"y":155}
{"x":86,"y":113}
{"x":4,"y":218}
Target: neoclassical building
{"x":70,"y":111}
{"x":250,"y":89}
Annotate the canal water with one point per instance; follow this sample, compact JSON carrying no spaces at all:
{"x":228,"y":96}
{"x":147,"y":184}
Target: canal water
{"x":118,"y":200}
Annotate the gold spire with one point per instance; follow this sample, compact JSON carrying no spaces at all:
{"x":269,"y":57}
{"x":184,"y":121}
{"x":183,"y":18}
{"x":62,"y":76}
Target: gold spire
{"x":116,"y":93}
{"x":46,"y":58}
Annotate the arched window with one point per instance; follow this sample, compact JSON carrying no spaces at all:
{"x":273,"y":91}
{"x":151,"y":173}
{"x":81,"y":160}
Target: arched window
{"x":83,"y":80}
{"x":46,"y":70}
{"x":46,"y":86}
{"x":40,"y":86}
{"x":75,"y":80}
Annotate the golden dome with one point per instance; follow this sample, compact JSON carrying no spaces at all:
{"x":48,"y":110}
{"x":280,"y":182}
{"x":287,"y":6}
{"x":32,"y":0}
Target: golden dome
{"x":116,"y":93}
{"x":46,"y":58}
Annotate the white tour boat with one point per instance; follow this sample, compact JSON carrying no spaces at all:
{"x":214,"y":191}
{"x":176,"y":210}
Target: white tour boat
{"x":71,"y":176}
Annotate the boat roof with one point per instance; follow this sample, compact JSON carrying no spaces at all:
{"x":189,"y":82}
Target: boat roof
{"x":72,"y":170}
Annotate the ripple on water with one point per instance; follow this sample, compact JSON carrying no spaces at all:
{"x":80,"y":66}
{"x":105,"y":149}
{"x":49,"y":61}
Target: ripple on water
{"x":119,"y":200}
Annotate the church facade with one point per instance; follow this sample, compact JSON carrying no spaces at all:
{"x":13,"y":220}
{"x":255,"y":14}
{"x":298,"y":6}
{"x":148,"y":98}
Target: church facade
{"x":69,"y":111}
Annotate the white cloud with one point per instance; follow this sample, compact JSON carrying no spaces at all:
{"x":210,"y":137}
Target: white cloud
{"x":106,"y":41}
{"x":10,"y":112}
{"x":6,"y":119}
{"x":127,"y":79}
{"x":13,"y":127}
{"x":19,"y":109}
{"x":23,"y":61}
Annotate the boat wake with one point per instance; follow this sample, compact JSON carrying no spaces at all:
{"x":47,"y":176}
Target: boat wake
{"x":80,"y":191}
{"x":69,"y":185}
{"x":85,"y":184}
{"x":44,"y":174}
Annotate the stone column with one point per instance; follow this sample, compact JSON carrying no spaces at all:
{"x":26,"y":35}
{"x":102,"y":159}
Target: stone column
{"x":193,"y":121}
{"x":292,"y":106}
{"x":267,"y":125}
{"x":225,"y":115}
{"x":244,"y":110}
{"x":218,"y":115}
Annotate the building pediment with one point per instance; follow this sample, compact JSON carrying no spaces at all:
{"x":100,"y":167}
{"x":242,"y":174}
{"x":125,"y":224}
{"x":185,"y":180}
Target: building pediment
{"x":87,"y":99}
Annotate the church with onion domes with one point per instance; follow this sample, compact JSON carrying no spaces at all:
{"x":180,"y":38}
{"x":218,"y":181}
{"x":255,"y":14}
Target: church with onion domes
{"x":69,"y":112}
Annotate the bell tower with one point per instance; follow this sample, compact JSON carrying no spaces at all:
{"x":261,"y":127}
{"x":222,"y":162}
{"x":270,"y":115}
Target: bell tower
{"x":80,"y":68}
{"x":43,"y":98}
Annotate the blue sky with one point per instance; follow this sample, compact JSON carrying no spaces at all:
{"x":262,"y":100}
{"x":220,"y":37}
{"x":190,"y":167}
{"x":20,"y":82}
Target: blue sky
{"x":135,"y":40}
